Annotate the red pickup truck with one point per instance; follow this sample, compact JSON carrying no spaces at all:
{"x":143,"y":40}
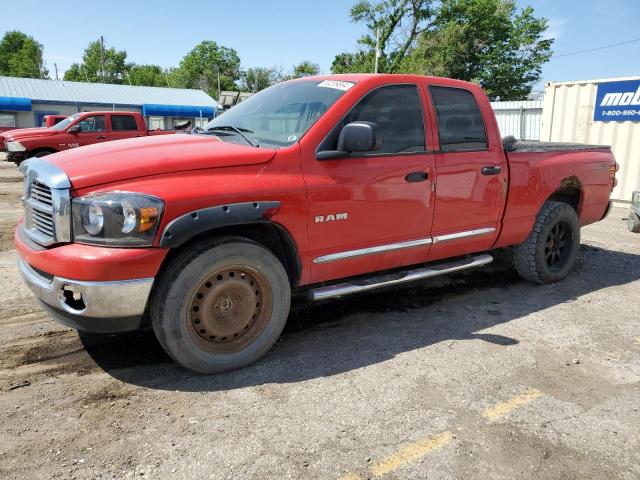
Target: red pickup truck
{"x":49,"y":121}
{"x":78,"y":130}
{"x":326,"y":185}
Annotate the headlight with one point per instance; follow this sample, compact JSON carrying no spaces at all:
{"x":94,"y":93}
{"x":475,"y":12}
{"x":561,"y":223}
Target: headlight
{"x":15,"y":147}
{"x":117,"y":219}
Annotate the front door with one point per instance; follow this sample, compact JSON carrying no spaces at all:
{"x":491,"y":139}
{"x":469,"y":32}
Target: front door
{"x":373,"y":210}
{"x":92,"y":130}
{"x":472,"y":176}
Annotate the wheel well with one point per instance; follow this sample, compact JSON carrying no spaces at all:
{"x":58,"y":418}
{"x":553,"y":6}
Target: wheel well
{"x":569,"y":193}
{"x":41,"y":150}
{"x":268,"y":234}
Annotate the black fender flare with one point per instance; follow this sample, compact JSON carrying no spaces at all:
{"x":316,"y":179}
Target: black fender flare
{"x":187,"y":226}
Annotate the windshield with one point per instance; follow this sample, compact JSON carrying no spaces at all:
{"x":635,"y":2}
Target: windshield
{"x":66,"y":122}
{"x":281,"y":114}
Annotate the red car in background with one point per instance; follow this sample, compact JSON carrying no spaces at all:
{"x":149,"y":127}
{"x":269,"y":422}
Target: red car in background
{"x":78,"y":130}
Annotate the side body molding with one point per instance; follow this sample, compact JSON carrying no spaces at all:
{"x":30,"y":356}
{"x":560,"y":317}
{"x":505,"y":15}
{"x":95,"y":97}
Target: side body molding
{"x":187,"y":226}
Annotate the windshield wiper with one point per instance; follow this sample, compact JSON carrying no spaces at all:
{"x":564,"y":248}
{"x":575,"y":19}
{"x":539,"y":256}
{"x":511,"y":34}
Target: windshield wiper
{"x":237,"y":130}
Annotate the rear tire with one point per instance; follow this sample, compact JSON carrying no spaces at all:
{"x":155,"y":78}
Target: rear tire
{"x":633,"y":222}
{"x":549,"y":252}
{"x":220,"y":304}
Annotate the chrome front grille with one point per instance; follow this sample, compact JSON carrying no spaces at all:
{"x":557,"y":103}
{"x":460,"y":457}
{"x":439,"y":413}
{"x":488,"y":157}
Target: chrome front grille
{"x":47,"y":219}
{"x":41,"y":193}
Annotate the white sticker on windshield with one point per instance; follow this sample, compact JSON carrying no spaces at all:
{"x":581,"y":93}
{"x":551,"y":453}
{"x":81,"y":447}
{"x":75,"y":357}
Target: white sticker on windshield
{"x":338,"y":85}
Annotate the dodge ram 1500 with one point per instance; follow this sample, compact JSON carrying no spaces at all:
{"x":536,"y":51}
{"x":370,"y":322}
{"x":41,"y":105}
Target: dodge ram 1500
{"x":325,"y":185}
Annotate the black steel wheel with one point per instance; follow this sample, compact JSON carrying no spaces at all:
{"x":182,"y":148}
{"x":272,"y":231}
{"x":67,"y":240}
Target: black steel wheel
{"x":549,"y":252}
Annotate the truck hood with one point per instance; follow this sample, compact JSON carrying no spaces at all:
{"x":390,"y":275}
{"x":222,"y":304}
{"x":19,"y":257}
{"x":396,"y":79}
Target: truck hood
{"x":140,"y":157}
{"x":23,"y":133}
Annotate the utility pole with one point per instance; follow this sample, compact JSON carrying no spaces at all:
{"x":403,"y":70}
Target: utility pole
{"x":55,"y":65}
{"x":219,"y":93}
{"x":378,"y":53}
{"x":102,"y":57}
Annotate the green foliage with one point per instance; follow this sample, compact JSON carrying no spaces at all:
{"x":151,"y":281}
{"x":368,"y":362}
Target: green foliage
{"x":256,"y":79}
{"x":201,"y":66}
{"x":90,"y":70}
{"x":485,"y":41}
{"x":21,"y":56}
{"x":305,"y":69}
{"x":149,"y":75}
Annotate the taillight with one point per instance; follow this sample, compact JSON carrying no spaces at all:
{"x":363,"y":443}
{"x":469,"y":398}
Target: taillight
{"x":612,"y":173}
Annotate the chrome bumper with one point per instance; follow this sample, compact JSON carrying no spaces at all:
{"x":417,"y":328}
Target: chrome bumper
{"x":90,"y":300}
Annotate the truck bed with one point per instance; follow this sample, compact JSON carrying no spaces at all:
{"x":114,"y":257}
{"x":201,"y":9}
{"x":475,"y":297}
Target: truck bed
{"x":513,"y":145}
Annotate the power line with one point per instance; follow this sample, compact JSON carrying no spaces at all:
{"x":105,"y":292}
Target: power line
{"x":598,"y":48}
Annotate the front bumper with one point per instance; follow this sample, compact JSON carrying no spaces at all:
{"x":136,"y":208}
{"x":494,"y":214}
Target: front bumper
{"x":92,"y":306}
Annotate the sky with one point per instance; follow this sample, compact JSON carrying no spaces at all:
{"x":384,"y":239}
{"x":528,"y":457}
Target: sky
{"x":283,"y":33}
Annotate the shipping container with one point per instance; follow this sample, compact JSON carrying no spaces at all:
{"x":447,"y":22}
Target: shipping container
{"x":601,"y":112}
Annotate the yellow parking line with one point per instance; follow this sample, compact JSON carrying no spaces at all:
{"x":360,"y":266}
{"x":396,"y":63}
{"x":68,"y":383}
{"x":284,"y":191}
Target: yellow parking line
{"x":412,"y":452}
{"x":351,"y":476}
{"x":503,"y":408}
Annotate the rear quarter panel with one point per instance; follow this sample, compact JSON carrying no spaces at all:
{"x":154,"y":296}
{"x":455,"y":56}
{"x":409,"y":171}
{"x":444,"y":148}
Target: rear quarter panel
{"x":535,"y":176}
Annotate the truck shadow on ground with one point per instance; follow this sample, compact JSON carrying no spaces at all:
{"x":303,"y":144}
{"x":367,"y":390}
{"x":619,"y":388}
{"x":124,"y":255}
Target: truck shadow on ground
{"x":360,"y":330}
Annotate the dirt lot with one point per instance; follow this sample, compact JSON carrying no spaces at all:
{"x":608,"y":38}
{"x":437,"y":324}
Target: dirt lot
{"x":478,"y":375}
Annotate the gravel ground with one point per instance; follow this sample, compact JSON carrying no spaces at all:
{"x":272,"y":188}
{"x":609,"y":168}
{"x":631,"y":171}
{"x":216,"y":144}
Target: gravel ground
{"x":477,"y":375}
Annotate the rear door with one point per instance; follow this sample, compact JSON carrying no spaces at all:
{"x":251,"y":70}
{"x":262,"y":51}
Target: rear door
{"x":123,"y":126}
{"x":372,"y":211}
{"x":472,"y":174}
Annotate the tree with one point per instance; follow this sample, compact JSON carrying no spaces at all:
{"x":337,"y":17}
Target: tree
{"x":256,"y":79}
{"x":91,"y":70}
{"x":399,"y":23}
{"x":149,"y":75}
{"x":303,"y":69}
{"x":21,"y":56}
{"x":486,"y":41}
{"x":202,"y":65}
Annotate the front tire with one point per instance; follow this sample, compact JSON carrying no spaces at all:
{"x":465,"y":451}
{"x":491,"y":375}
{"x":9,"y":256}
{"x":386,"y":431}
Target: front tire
{"x":549,"y":252}
{"x":633,"y":222}
{"x":221,"y":304}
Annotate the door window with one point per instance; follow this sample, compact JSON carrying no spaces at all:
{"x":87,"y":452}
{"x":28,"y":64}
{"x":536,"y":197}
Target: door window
{"x":92,"y":124}
{"x":460,"y":124}
{"x":123,"y":123}
{"x":397,"y":111}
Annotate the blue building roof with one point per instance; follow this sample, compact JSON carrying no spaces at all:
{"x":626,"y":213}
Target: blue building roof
{"x":62,"y":91}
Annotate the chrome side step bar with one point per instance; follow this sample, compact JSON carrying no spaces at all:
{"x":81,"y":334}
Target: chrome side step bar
{"x":333,"y":291}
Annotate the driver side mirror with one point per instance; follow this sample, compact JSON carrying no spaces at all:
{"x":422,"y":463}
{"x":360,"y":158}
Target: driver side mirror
{"x":354,"y":137}
{"x":75,"y":129}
